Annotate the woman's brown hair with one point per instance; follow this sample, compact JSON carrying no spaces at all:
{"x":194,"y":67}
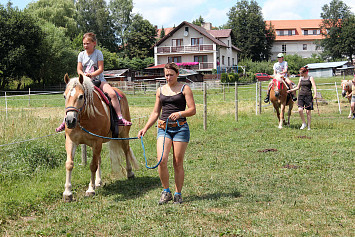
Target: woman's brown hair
{"x":172,"y":66}
{"x":304,"y":69}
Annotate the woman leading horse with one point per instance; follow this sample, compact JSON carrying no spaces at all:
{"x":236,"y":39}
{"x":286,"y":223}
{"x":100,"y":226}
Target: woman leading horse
{"x":85,"y":108}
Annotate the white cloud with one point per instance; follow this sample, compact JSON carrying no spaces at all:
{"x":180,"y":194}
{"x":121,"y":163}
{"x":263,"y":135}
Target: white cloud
{"x":216,"y":16}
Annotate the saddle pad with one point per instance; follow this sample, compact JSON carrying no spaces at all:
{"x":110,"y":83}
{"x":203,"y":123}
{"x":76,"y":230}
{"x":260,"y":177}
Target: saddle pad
{"x":103,"y":96}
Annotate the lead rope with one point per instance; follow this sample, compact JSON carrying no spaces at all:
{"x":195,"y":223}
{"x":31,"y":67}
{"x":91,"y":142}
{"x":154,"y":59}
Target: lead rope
{"x":132,"y":138}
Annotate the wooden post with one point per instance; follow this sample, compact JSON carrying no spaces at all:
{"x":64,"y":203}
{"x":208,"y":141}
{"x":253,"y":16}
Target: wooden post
{"x":224,"y":92}
{"x":256,"y":98}
{"x":259,"y":97}
{"x":204,"y":106}
{"x":134,"y":88}
{"x":236,"y":101}
{"x":29,"y":97}
{"x":83,"y":155}
{"x":6,"y":104}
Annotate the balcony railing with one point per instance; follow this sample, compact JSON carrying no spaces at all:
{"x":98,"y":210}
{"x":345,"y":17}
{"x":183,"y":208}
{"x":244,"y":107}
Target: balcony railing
{"x":185,"y":48}
{"x":199,"y":66}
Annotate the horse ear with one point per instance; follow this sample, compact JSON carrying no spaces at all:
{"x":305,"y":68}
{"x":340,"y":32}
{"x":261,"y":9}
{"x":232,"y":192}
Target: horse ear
{"x":81,"y":78}
{"x":66,"y":78}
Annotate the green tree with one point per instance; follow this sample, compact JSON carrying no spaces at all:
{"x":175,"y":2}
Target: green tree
{"x":20,"y":42}
{"x":94,"y":16}
{"x":250,"y":32}
{"x":334,"y":16}
{"x":348,"y":36}
{"x":198,"y":21}
{"x":140,"y":37}
{"x":57,"y":55}
{"x":162,"y":33}
{"x":121,"y":15}
{"x":60,"y":13}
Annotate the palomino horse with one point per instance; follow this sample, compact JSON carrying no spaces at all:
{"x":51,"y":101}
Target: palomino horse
{"x":346,"y":86}
{"x":280,"y":99}
{"x":85,"y":109}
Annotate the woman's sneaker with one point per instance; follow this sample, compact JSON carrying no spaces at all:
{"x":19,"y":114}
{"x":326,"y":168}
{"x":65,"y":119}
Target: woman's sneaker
{"x":304,"y":125}
{"x":165,"y":197}
{"x":123,"y":122}
{"x":177,"y":199}
{"x":60,"y":128}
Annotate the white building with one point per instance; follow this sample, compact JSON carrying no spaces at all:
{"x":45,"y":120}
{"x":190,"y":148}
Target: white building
{"x":296,"y":37}
{"x":190,"y":44}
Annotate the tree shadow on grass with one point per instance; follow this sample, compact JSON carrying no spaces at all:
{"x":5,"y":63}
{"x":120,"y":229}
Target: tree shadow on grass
{"x":213,"y":196}
{"x":130,"y":188}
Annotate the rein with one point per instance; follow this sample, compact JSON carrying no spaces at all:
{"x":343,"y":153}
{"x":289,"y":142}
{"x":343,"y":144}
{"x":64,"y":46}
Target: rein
{"x":132,"y":138}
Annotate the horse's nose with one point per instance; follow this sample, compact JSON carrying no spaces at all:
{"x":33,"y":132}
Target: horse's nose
{"x":70,"y":121}
{"x":277,"y":93}
{"x":343,"y":93}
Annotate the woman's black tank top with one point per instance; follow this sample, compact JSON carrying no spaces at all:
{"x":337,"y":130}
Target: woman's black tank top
{"x":172,"y":104}
{"x":306,"y":86}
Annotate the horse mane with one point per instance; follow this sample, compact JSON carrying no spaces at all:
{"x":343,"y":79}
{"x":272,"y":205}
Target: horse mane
{"x":88,"y":88}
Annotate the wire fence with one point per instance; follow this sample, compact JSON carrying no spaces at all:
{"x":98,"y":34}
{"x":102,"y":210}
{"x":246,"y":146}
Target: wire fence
{"x":206,"y":94}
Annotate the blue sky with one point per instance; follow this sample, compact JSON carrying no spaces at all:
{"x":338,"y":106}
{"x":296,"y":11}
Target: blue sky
{"x":168,"y":13}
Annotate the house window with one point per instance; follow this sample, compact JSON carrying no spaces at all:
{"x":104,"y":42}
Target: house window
{"x":176,"y":42}
{"x":228,"y":43}
{"x":283,"y":50}
{"x":200,"y":58}
{"x":305,"y":32}
{"x":196,"y":41}
{"x":187,"y":29}
{"x":289,"y":32}
{"x":229,"y":63}
{"x":233,"y":62}
{"x":304,"y":46}
{"x":176,"y":59}
{"x":222,"y":60}
{"x":282,"y":33}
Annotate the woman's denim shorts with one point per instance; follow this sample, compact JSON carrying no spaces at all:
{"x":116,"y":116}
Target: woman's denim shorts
{"x":176,"y":134}
{"x":353,"y":98}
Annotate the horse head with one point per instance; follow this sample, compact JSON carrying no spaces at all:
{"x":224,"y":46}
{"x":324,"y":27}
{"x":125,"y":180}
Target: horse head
{"x":74,"y":96}
{"x":278,"y":84}
{"x":346,"y":87}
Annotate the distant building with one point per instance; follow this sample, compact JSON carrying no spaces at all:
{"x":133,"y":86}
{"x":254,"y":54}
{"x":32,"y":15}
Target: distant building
{"x":329,"y":69}
{"x":296,"y":37}
{"x":189,"y":43}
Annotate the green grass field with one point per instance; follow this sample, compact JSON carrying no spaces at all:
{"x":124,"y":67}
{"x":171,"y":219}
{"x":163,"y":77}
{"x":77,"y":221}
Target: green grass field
{"x":242,"y":178}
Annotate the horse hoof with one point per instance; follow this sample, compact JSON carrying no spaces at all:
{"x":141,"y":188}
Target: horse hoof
{"x":130,"y":175}
{"x":89,"y":194}
{"x":67,"y":198}
{"x":99,"y":184}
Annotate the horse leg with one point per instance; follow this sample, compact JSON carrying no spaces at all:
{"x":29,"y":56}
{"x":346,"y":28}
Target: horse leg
{"x":96,"y":160}
{"x":351,"y":112}
{"x":98,"y":181}
{"x":282,"y":116}
{"x":69,"y":164}
{"x":130,"y":159}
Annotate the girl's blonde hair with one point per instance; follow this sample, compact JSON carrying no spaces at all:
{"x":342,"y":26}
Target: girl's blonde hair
{"x":90,"y":35}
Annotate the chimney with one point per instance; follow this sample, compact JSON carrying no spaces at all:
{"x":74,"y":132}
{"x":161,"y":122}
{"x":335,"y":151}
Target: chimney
{"x":207,"y":25}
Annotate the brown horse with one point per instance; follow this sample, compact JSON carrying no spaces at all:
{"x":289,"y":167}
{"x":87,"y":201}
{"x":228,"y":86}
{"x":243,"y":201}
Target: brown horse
{"x":280,"y":99}
{"x":346,"y":86}
{"x":85,"y":109}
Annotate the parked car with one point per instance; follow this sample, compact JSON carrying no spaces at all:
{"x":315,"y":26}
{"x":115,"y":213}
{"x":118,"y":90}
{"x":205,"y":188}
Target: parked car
{"x":262,"y":76}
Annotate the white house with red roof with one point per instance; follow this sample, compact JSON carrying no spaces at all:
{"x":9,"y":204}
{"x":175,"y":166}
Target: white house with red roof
{"x":296,"y":37}
{"x":199,"y":48}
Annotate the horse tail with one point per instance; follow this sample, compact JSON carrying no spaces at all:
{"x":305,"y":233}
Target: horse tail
{"x":116,"y":155}
{"x":133,"y":159}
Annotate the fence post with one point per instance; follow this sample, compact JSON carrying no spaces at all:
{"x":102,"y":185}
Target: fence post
{"x":6,"y":104}
{"x":336,"y":89}
{"x":224,"y":92}
{"x":256,"y":98}
{"x":259,"y":97}
{"x":236,"y":101}
{"x":83,"y":155}
{"x":204,"y":106}
{"x":29,"y":97}
{"x":134,"y":88}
